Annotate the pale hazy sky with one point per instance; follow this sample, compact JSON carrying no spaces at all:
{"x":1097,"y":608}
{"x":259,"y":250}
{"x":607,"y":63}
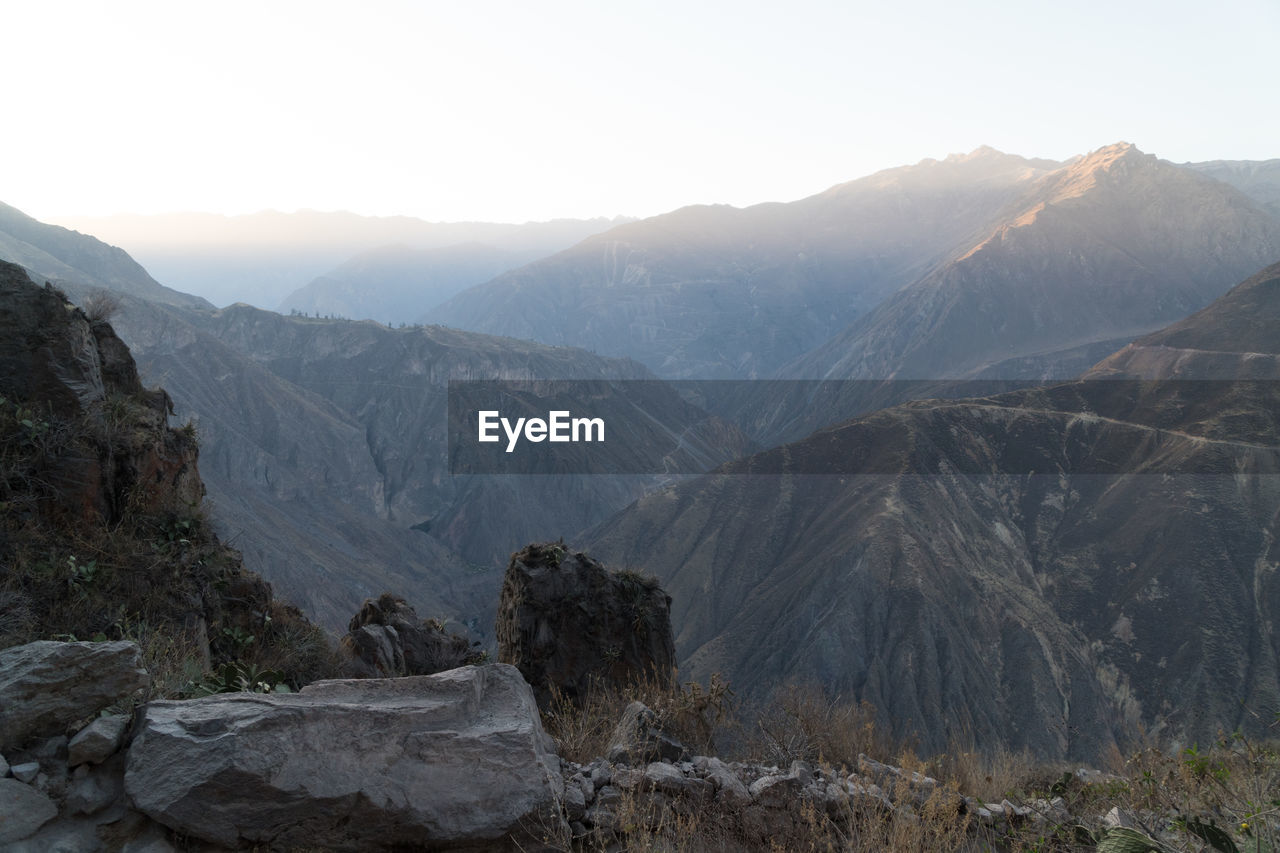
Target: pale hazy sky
{"x":512,"y":111}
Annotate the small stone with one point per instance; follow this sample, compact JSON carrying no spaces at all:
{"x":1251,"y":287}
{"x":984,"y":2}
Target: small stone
{"x":587,"y":787}
{"x":575,"y":804}
{"x":1118,"y":818}
{"x":98,"y":741}
{"x":776,"y":791}
{"x":92,"y":793}
{"x":729,"y":786}
{"x":802,"y":770}
{"x":26,"y":772}
{"x":638,"y":738}
{"x":4,"y":767}
{"x":601,"y":775}
{"x":153,"y":839}
{"x":23,"y":810}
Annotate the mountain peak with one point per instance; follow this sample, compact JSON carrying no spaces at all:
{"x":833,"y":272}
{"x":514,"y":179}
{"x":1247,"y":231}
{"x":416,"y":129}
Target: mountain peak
{"x":980,"y":153}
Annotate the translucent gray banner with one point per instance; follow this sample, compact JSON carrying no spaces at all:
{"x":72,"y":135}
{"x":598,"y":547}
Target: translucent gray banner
{"x":1114,"y":426}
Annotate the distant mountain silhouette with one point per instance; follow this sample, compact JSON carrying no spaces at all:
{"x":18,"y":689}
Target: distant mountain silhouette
{"x":262,"y":258}
{"x":59,"y":254}
{"x":397,"y":284}
{"x":1110,"y":247}
{"x":736,"y":293}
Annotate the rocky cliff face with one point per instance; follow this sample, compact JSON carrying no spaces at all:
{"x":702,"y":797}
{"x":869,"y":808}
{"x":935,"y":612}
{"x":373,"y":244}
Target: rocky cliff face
{"x":1052,"y":569}
{"x":101,"y":441}
{"x":103,"y":532}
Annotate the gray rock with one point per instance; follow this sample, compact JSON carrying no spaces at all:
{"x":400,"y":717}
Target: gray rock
{"x":23,"y":810}
{"x":570,"y":624}
{"x":639,"y":739}
{"x":64,"y":835}
{"x":729,"y":787}
{"x":575,"y":804}
{"x":26,"y":772}
{"x":98,"y":741}
{"x":1119,"y":818}
{"x":669,"y":779}
{"x":587,"y":787}
{"x":4,"y":767}
{"x":776,"y":791}
{"x":152,"y":839}
{"x":93,"y":792}
{"x":46,"y":686}
{"x":388,"y":639}
{"x":458,"y":758}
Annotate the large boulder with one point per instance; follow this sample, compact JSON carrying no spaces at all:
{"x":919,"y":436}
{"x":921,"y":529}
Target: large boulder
{"x":46,"y":686}
{"x":387,"y":639}
{"x":457,"y":759}
{"x":569,"y":623}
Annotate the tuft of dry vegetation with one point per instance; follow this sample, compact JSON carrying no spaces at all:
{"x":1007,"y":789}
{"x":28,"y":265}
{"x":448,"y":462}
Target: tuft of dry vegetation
{"x":100,"y":306}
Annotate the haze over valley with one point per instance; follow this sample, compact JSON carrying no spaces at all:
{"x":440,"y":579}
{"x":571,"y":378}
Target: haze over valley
{"x":324,"y":445}
{"x":907,"y":372}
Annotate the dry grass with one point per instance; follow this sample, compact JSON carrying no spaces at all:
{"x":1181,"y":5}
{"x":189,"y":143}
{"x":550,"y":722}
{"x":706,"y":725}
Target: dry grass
{"x":693,"y":714}
{"x":1173,"y":796}
{"x":100,"y":306}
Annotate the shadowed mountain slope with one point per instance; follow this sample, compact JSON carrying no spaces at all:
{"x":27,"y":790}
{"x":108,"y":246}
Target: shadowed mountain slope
{"x":1258,"y":179}
{"x":325,"y":456}
{"x":326,"y":447}
{"x":726,"y":292}
{"x":1054,"y":568}
{"x":1108,"y":248}
{"x":397,"y":284}
{"x":59,"y":254}
{"x":262,"y":258}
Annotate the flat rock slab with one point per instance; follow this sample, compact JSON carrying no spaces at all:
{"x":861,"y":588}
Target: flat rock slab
{"x":46,"y":686}
{"x":453,"y":759}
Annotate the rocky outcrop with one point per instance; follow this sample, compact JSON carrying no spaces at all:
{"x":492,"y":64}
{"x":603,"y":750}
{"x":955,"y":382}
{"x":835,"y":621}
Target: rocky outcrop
{"x":569,"y":624}
{"x":455,"y":759}
{"x":101,"y":434}
{"x":387,"y":639}
{"x":46,"y":686}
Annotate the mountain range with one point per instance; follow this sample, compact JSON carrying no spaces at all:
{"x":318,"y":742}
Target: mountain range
{"x":264,"y":258}
{"x":722,"y":292}
{"x":1001,"y":569}
{"x":1007,"y":569}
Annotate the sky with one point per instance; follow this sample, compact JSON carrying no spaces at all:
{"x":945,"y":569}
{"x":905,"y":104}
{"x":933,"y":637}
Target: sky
{"x":519,"y":111}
